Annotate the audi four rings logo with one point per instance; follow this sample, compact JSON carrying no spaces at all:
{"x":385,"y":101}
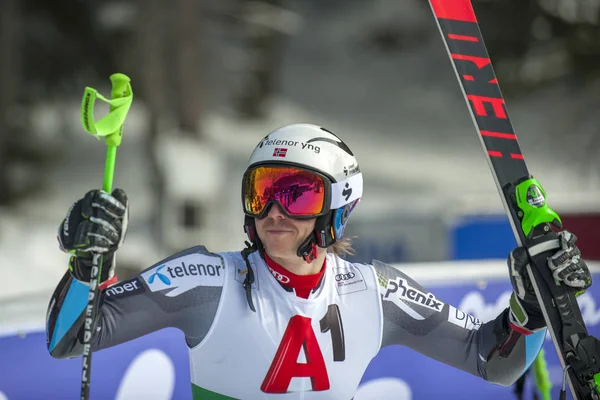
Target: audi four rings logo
{"x":280,"y":277}
{"x":344,"y":277}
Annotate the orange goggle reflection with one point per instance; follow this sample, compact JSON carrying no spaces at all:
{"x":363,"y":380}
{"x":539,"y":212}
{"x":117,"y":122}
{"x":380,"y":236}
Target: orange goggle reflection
{"x":301,"y":193}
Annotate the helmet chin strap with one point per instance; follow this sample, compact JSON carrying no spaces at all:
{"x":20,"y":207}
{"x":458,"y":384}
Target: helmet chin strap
{"x":321,"y":237}
{"x":308,"y":248}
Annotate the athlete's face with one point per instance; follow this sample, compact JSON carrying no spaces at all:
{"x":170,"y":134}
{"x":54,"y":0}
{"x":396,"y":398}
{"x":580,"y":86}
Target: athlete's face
{"x":282,"y":235}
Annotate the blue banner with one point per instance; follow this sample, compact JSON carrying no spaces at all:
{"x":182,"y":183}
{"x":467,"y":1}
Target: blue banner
{"x":156,"y":363}
{"x":476,"y":237}
{"x":156,"y":366}
{"x":425,"y":378}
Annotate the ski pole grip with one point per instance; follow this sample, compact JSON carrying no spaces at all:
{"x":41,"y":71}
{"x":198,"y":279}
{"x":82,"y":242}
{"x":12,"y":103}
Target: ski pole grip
{"x":111,"y":125}
{"x":121,"y":88}
{"x":120,"y":85}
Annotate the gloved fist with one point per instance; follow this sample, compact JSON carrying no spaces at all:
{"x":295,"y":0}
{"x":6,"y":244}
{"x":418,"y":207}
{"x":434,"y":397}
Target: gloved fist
{"x":568,"y":268}
{"x":97,"y":223}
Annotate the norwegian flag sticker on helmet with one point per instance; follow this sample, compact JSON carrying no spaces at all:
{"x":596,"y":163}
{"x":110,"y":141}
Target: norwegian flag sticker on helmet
{"x":279,"y":152}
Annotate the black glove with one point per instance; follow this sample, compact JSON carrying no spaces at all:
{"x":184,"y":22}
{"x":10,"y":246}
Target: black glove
{"x":568,"y":268}
{"x":97,"y":223}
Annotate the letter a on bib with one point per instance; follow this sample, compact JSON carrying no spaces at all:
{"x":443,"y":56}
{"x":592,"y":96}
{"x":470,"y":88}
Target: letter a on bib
{"x":285,"y":366}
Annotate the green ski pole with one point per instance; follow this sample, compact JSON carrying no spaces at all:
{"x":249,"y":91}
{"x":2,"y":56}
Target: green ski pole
{"x":541,"y":376}
{"x":111,"y":128}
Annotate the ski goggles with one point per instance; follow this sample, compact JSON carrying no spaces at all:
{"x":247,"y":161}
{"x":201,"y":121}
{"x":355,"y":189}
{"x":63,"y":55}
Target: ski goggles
{"x":302,"y":194}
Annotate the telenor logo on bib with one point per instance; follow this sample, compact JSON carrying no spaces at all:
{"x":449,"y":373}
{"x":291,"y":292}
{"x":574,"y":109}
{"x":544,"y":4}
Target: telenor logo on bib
{"x":185,"y":273}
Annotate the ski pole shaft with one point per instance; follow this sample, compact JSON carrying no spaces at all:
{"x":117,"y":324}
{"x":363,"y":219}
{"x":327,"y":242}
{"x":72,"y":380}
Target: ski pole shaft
{"x":111,"y":127}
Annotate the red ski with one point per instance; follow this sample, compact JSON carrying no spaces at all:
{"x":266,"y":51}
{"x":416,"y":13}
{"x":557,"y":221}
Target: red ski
{"x":523,"y":197}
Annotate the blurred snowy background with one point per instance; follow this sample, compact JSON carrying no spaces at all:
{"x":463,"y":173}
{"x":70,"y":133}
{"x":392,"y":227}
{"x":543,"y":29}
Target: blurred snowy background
{"x":213,"y":77}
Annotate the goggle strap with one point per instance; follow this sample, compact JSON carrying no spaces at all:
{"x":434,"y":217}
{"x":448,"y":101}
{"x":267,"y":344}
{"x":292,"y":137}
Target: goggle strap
{"x":346,"y":191}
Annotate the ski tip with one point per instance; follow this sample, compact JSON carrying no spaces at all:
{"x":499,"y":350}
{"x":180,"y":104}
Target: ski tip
{"x":460,"y":10}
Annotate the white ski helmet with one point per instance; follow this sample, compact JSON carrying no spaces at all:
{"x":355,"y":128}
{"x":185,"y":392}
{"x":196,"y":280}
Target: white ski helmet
{"x":313,"y":148}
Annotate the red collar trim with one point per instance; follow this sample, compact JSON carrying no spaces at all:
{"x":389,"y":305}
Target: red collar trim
{"x":302,"y":284}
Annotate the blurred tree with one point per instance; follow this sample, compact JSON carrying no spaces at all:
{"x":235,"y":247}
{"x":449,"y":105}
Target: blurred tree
{"x":66,"y":39}
{"x":69,"y":40}
{"x":187,"y":24}
{"x":170,"y":63}
{"x":259,"y":28}
{"x":152,"y":72}
{"x":10,"y":38}
{"x":547,"y":40}
{"x":262,"y":40}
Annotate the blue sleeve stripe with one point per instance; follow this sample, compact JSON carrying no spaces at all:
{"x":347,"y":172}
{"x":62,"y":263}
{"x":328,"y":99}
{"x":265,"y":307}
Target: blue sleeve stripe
{"x":71,"y":308}
{"x":533,"y":345}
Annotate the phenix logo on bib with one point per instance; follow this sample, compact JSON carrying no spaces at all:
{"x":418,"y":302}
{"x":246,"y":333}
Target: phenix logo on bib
{"x":407,"y":293}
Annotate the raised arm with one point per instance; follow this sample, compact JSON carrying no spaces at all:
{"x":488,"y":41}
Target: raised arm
{"x":161,"y":296}
{"x":416,"y":318}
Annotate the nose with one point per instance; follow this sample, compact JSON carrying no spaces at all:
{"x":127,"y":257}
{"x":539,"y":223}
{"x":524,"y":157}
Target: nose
{"x":275,"y":211}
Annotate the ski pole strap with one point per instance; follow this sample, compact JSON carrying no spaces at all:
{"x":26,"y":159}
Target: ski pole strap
{"x":111,"y":125}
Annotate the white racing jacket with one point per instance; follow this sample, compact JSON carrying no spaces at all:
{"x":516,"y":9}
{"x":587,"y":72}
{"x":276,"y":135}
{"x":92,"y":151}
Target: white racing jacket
{"x":290,"y":348}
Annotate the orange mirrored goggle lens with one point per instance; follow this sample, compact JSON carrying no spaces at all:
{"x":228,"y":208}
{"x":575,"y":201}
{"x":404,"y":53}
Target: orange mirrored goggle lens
{"x":301,"y":193}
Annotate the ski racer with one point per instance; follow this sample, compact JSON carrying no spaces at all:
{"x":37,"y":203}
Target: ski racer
{"x":287,"y":316}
